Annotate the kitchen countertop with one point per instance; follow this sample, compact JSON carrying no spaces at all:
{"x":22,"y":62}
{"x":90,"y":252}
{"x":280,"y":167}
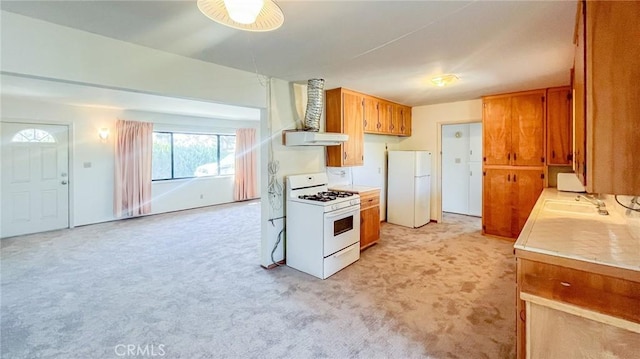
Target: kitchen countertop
{"x":353,"y":188}
{"x":561,"y":226}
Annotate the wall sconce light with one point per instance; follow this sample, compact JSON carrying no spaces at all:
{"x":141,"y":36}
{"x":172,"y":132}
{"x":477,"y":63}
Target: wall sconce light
{"x":103,"y":133}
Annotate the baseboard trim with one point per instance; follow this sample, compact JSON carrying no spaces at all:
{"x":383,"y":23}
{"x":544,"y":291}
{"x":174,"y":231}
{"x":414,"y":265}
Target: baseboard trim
{"x":274,"y":265}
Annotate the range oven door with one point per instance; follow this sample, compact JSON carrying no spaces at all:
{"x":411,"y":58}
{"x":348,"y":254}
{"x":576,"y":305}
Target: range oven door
{"x":341,"y":229}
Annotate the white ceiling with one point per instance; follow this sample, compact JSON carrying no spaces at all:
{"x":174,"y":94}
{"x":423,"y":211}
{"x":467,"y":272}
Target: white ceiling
{"x":385,"y":48}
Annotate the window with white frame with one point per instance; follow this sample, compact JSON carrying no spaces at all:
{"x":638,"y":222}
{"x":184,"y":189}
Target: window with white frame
{"x":179,"y":155}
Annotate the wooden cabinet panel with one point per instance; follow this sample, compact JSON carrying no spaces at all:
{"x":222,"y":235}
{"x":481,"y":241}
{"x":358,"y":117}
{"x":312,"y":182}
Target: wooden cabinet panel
{"x":386,"y":117}
{"x":527,"y":129}
{"x":371,"y":121}
{"x":509,"y":195}
{"x":345,"y":114}
{"x":527,"y":186}
{"x":579,"y":99}
{"x":608,"y":295}
{"x":369,"y":226}
{"x":398,"y":119}
{"x":612,"y":96}
{"x":559,"y":132}
{"x":496,"y":128}
{"x":405,"y":129}
{"x":354,"y":125}
{"x":496,"y":204}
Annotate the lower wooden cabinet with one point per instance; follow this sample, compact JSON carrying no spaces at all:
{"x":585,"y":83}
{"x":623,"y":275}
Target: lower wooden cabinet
{"x":369,"y":218}
{"x":569,"y":308}
{"x":509,"y":195}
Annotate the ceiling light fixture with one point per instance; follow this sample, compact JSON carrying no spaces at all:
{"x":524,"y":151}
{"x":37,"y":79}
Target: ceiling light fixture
{"x":444,"y":80}
{"x":248,"y":15}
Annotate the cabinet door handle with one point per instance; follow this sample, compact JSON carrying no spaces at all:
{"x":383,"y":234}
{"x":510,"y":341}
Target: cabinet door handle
{"x":345,"y":155}
{"x":509,"y":156}
{"x":553,"y":154}
{"x":365,"y":123}
{"x":514,"y":156}
{"x":514,"y":178}
{"x":509,"y":177}
{"x":523,"y":316}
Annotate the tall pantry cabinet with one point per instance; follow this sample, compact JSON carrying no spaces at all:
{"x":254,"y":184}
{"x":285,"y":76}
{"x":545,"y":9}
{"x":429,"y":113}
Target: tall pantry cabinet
{"x":513,"y":159}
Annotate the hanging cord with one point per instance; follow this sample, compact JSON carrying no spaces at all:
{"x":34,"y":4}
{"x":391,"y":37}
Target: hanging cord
{"x":634,"y":201}
{"x":275,"y":188}
{"x":275,"y":247}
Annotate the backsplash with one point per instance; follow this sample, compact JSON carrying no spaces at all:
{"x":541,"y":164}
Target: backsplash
{"x":339,"y":176}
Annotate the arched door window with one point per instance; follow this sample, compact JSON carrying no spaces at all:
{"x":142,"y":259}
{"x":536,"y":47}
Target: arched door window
{"x":33,"y":135}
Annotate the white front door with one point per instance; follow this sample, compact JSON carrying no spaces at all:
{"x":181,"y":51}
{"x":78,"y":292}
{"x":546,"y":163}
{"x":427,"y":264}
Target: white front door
{"x":35,"y":178}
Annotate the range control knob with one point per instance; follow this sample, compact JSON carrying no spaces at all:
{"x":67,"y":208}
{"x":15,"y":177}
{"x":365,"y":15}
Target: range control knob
{"x":334,"y":207}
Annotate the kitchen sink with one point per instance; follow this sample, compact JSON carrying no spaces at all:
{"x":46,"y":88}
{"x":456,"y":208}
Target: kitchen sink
{"x":570,"y":207}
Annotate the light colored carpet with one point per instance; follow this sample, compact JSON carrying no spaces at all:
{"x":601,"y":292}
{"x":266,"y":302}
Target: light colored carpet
{"x":187,"y":285}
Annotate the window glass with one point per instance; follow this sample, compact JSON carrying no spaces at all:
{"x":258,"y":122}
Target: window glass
{"x":187,"y":155}
{"x":33,"y":135}
{"x":161,"y":159}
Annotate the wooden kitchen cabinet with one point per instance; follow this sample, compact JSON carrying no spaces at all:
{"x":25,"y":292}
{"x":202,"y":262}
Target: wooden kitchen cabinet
{"x":607,"y":78}
{"x":369,"y":218}
{"x":570,"y":290}
{"x":401,"y":118}
{"x":509,"y":195}
{"x":513,"y":129}
{"x":345,"y":114}
{"x":405,"y":128}
{"x":371,"y":118}
{"x":559,"y":131}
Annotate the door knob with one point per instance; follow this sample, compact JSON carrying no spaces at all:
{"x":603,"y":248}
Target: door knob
{"x":64,"y":182}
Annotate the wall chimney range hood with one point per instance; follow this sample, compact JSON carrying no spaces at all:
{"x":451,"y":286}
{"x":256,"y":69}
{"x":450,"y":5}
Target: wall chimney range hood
{"x":310,"y":138}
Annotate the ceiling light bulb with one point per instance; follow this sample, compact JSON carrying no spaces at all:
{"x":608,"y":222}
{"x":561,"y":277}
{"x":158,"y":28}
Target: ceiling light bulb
{"x":244,"y":11}
{"x":444,"y":80}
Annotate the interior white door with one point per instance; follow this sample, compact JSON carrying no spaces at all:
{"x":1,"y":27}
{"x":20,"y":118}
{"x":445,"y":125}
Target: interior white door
{"x":35,"y":178}
{"x":422,"y":201}
{"x":455,"y":178}
{"x":475,"y":189}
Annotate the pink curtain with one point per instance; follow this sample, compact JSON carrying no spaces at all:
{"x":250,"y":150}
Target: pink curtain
{"x":245,"y":179}
{"x":134,"y":145}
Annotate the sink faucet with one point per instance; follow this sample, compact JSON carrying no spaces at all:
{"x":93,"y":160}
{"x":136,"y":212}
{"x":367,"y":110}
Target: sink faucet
{"x":600,"y":205}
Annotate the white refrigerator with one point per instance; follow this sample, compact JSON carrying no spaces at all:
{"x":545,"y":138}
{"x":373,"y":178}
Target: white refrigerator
{"x":409,"y":188}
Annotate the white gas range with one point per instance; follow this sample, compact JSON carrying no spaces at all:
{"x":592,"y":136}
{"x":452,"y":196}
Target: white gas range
{"x":323,"y":227}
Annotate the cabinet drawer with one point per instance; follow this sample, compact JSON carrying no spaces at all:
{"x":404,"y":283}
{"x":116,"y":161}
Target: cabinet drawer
{"x":369,"y":199}
{"x":339,"y":260}
{"x":604,"y":294}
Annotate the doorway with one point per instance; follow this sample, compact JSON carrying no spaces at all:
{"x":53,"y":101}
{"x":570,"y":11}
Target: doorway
{"x":35,"y":178}
{"x":462,"y":168}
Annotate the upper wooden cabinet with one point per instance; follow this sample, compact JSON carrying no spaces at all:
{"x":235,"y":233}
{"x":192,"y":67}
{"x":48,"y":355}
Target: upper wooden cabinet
{"x":345,"y":114}
{"x":513,"y":129}
{"x":401,"y":120}
{"x":559,"y":132}
{"x":611,"y":95}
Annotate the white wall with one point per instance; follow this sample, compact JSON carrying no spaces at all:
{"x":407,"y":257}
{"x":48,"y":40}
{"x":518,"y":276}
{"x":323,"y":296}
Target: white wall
{"x":292,"y":160}
{"x":426,"y":127}
{"x":374,"y":171}
{"x":43,"y":49}
{"x":92,"y":187}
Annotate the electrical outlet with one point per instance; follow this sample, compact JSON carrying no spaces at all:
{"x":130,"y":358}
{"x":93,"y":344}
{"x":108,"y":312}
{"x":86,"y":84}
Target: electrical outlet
{"x":201,"y":196}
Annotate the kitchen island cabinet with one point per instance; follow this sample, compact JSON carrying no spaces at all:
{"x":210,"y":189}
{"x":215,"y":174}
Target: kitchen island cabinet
{"x":369,"y":213}
{"x":578,"y":280}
